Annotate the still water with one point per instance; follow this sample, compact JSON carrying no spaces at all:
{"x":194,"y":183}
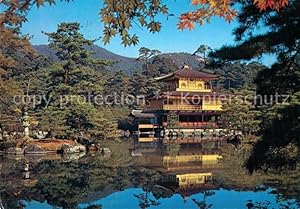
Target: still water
{"x":202,"y":176}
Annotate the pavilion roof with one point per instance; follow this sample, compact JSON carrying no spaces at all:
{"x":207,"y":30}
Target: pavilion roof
{"x":187,"y":72}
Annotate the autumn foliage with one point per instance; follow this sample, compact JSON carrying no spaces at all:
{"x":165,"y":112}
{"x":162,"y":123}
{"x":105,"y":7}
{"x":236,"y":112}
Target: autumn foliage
{"x":220,"y":8}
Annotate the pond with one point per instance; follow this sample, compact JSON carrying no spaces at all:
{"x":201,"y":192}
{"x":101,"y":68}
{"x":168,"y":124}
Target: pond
{"x":199,"y":176}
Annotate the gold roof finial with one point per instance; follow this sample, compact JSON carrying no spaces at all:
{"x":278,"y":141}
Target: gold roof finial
{"x":185,"y":66}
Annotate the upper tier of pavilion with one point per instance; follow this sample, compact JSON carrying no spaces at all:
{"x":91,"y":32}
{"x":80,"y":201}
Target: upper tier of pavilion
{"x":187,"y":79}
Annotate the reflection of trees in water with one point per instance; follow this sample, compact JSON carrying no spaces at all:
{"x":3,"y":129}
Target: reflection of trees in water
{"x":202,"y":204}
{"x":10,"y":202}
{"x":145,"y":201}
{"x":66,"y":184}
{"x":94,"y":207}
{"x":258,"y":205}
{"x":234,"y":175}
{"x":267,"y":205}
{"x":11,"y":183}
{"x":120,"y":180}
{"x":146,"y":181}
{"x":143,"y":177}
{"x":71,"y":184}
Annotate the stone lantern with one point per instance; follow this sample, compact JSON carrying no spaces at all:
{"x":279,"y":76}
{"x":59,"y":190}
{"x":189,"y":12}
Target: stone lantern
{"x":26,"y":124}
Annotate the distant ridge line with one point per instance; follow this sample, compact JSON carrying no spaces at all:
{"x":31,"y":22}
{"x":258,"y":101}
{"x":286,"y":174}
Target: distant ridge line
{"x":127,"y":64}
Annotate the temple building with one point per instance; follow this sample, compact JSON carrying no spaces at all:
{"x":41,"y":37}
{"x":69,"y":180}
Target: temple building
{"x":187,"y":109}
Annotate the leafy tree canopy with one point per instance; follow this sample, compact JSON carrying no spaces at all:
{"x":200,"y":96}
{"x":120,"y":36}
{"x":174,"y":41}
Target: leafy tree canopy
{"x":279,"y":145}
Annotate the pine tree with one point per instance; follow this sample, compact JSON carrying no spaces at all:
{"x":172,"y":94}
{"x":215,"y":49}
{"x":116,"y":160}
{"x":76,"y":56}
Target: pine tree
{"x":279,"y":146}
{"x":115,"y":81}
{"x":71,"y":85}
{"x":240,"y":114}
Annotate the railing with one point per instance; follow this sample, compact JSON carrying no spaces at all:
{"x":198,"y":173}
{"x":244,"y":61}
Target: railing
{"x":208,"y":107}
{"x":182,"y":107}
{"x":193,"y":124}
{"x":197,"y":124}
{"x":193,"y":140}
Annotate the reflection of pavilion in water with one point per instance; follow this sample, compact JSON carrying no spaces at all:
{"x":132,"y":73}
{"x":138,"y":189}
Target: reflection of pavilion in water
{"x":189,"y":172}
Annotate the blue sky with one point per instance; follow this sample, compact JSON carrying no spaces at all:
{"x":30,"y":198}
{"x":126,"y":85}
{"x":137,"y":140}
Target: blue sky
{"x":170,"y":39}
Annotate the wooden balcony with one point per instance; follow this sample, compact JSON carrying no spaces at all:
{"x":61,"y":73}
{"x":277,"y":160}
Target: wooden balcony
{"x":182,"y":107}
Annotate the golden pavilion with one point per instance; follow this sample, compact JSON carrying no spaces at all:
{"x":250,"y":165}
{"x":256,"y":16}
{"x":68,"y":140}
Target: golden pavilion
{"x":185,"y":111}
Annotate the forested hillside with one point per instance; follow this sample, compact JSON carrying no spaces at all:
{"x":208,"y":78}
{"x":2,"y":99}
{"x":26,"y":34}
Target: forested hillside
{"x":126,"y":64}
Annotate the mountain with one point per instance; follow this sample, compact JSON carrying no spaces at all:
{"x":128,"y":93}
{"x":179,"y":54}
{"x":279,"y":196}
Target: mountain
{"x":182,"y":58}
{"x":121,"y":63}
{"x":127,"y":64}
